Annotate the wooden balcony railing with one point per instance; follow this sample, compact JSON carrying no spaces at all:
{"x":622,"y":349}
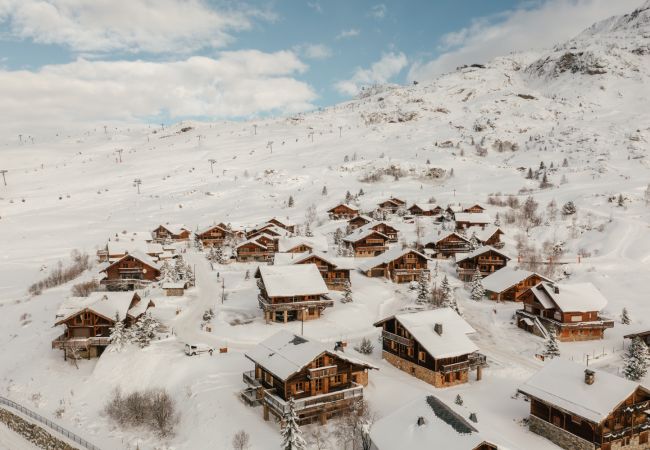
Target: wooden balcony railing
{"x":291,"y":306}
{"x":322,"y":372}
{"x":80,"y":342}
{"x":280,"y":406}
{"x":249,"y":379}
{"x":395,"y":338}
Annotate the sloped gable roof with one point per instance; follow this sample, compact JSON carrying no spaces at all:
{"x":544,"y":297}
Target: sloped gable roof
{"x":507,"y":277}
{"x":481,"y":250}
{"x":292,"y":280}
{"x":574,"y":297}
{"x":386,"y":257}
{"x":140,"y":256}
{"x":103,"y":303}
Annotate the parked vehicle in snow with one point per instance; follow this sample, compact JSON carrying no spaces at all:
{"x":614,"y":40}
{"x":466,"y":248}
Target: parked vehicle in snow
{"x":193,"y":350}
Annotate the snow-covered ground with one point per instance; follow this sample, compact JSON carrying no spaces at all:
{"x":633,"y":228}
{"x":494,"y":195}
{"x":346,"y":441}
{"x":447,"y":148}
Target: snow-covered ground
{"x":70,"y":191}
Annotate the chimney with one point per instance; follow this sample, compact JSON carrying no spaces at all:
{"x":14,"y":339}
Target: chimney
{"x":556,"y":289}
{"x":590,"y":376}
{"x":438,"y":328}
{"x":420,"y":421}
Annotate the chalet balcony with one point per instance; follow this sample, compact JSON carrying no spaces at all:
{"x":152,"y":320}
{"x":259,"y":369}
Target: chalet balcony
{"x":334,"y":398}
{"x":80,"y":342}
{"x":404,"y":272}
{"x":293,"y":306}
{"x":250,"y":380}
{"x":618,"y":432}
{"x":474,"y":360}
{"x":322,"y":372}
{"x":602,"y":322}
{"x":395,"y":338}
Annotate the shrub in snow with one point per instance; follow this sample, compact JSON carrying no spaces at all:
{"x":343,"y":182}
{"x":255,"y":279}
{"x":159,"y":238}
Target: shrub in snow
{"x":347,"y":293}
{"x":291,"y":434}
{"x":473,"y":242}
{"x":552,"y":348}
{"x":625,"y":318}
{"x":241,"y":440}
{"x":636,"y":360}
{"x":477,"y":289}
{"x":153,"y":408}
{"x":568,"y":208}
{"x":62,"y":274}
{"x":119,"y":336}
{"x":365,"y":347}
{"x":459,"y":400}
{"x":84,"y":289}
{"x":144,"y":330}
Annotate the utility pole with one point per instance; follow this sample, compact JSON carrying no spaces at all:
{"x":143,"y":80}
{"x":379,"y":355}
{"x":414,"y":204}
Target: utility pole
{"x":138,"y":182}
{"x":223,"y":289}
{"x":3,"y":171}
{"x":119,"y":153}
{"x":105,"y":129}
{"x":20,"y":138}
{"x":340,"y":130}
{"x":212,"y":161}
{"x":254,"y":129}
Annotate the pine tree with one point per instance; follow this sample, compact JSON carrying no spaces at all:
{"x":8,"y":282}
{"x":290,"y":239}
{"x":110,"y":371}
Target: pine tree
{"x":167,"y":272}
{"x":338,"y":235}
{"x":189,"y":273}
{"x":290,"y":202}
{"x":552,"y":348}
{"x":625,"y":318}
{"x":477,"y":289}
{"x":348,"y":197}
{"x":636,"y":360}
{"x":497,"y":220}
{"x":361,"y":192}
{"x":308,"y":232}
{"x":144,"y":330}
{"x":291,"y":434}
{"x":568,"y":208}
{"x":529,"y":175}
{"x":324,"y":191}
{"x":473,"y":242}
{"x":247,"y":276}
{"x":424,"y":293}
{"x":119,"y":335}
{"x":448,"y":299}
{"x":180,"y":269}
{"x":347,"y":293}
{"x":459,"y":400}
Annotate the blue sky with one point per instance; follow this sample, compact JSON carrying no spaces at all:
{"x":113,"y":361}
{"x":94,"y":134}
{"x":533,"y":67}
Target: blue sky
{"x":83,"y":61}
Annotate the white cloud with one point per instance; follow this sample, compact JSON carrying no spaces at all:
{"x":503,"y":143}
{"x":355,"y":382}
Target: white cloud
{"x":97,"y":26}
{"x":236,"y":84}
{"x":314,"y":51}
{"x":382,"y":71}
{"x":344,"y":34}
{"x":378,"y":11}
{"x":541,"y":26}
{"x":316,"y":6}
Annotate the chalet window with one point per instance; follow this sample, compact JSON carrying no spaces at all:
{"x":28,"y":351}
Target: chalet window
{"x":338,"y":379}
{"x":268,"y":378}
{"x":320,"y":362}
{"x":393,"y":345}
{"x":318,"y":384}
{"x":300,"y":387}
{"x":422,"y":356}
{"x":410,"y":351}
{"x":576,"y":318}
{"x":576,"y":420}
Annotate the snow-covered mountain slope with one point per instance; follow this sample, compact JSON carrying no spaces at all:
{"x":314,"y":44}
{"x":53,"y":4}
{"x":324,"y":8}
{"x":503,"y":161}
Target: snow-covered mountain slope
{"x":584,"y":101}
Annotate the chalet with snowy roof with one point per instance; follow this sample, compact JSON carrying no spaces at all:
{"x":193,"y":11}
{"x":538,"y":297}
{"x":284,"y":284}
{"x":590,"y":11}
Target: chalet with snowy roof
{"x":366,"y":243}
{"x":581,"y":408}
{"x":383,"y":228}
{"x":423,"y":209}
{"x":359,"y":221}
{"x":486,"y":259}
{"x":391,"y":205}
{"x":171,"y":232}
{"x":643,"y":335}
{"x":322,"y":382}
{"x":214,"y":235}
{"x":432,"y":346}
{"x":116,"y":249}
{"x":397,"y":264}
{"x":131,"y":271}
{"x":295,"y":245}
{"x":88,"y":321}
{"x":424,"y":424}
{"x":283,"y":223}
{"x":254,"y":250}
{"x":572,"y":309}
{"x":343,"y":211}
{"x":508,"y":284}
{"x":293,"y":292}
{"x":490,"y":235}
{"x":467,"y":220}
{"x":335,"y":271}
{"x":445,"y":244}
{"x":175,"y":289}
{"x":269,"y":228}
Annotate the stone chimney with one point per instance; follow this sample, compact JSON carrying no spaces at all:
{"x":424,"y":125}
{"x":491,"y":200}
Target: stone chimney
{"x":438,"y":328}
{"x":590,"y":376}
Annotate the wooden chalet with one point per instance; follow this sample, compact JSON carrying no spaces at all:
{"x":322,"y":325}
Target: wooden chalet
{"x":427,"y":423}
{"x":445,"y":244}
{"x":397,"y":264}
{"x":132,"y":271}
{"x":359,"y":221}
{"x":383,"y":228}
{"x":343,"y":211}
{"x":175,"y":289}
{"x":581,"y":408}
{"x":391,"y":205}
{"x":322,"y":382}
{"x":466,"y":220}
{"x":335,"y":271}
{"x":486,"y":259}
{"x":88,"y":321}
{"x":214,"y":235}
{"x":171,"y":232}
{"x":256,"y":249}
{"x":490,"y":235}
{"x":293,"y":292}
{"x":421,"y":209}
{"x":285,"y":224}
{"x":643,"y":335}
{"x":432,"y":346}
{"x":294,"y":245}
{"x":572,"y":309}
{"x":475,"y":208}
{"x":508,"y":284}
{"x":366,"y":243}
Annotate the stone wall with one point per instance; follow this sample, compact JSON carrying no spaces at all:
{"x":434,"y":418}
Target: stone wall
{"x":557,"y":435}
{"x":633,"y":445}
{"x":33,"y":433}
{"x":434,"y":378}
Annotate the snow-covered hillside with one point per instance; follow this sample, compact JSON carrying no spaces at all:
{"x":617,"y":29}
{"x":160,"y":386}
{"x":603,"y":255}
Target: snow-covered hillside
{"x":585,"y":101}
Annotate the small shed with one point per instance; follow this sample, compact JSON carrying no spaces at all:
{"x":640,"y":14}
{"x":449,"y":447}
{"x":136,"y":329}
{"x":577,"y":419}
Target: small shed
{"x":174,"y":289}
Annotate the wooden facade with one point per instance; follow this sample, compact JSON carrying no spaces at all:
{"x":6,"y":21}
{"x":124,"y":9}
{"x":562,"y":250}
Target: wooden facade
{"x":358,"y":222}
{"x":253,"y":250}
{"x":291,"y":228}
{"x":425,"y":210}
{"x":130,"y":272}
{"x":392,"y":205}
{"x":486,"y":261}
{"x":405,"y":268}
{"x":164,"y":233}
{"x":475,"y":208}
{"x":403,"y":351}
{"x":215,"y":235}
{"x":369,"y":245}
{"x":387,"y":230}
{"x":449,"y":245}
{"x":343,"y":211}
{"x":513,"y":293}
{"x":335,"y":277}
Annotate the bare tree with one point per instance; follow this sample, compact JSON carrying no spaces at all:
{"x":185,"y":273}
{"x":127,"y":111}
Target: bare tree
{"x":241,"y":440}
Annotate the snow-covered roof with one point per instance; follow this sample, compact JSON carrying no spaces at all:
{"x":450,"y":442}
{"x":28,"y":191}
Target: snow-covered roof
{"x":175,"y":228}
{"x":105,"y":303}
{"x":285,"y":353}
{"x":434,"y":238}
{"x":287,"y":243}
{"x":400,"y":429}
{"x":386,"y":257}
{"x":361,"y":233}
{"x":472,"y":217}
{"x":140,"y":308}
{"x":174,"y":285}
{"x":287,"y":281}
{"x":347,"y":205}
{"x":371,"y":225}
{"x":139,"y":255}
{"x":453,"y":340}
{"x":362,"y":216}
{"x":424,"y":206}
{"x":574,"y":297}
{"x":562,"y":383}
{"x":506,"y":277}
{"x":212,"y":227}
{"x":480,"y":251}
{"x":252,"y":241}
{"x":285,"y":222}
{"x":483,"y":234}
